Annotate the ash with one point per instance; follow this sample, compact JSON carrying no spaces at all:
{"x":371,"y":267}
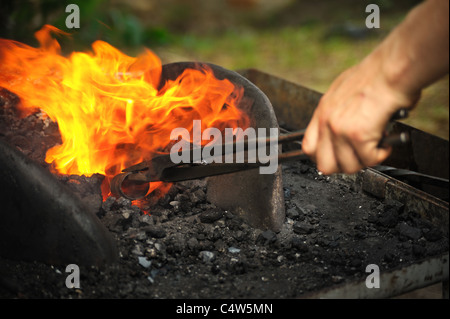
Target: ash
{"x":189,"y":248}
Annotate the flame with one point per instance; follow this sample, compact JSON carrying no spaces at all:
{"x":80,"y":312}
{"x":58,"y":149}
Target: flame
{"x":107,"y":105}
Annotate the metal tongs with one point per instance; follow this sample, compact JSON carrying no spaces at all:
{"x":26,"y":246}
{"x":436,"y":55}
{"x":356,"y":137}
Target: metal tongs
{"x":134,"y":182}
{"x":161,"y":167}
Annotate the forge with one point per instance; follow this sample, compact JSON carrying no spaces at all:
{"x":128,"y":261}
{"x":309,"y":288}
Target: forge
{"x":292,"y":234}
{"x":63,"y":229}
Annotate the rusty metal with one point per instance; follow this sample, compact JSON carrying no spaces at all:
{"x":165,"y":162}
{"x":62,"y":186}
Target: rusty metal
{"x":413,"y":177}
{"x":392,"y":283}
{"x":374,"y":183}
{"x":42,"y":220}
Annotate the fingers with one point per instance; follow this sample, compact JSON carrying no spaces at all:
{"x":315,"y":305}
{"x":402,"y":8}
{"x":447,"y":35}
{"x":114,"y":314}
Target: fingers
{"x":326,"y":159}
{"x":347,"y":158}
{"x":309,"y":143}
{"x":338,"y":145}
{"x":344,"y":133}
{"x":373,"y":154}
{"x":336,"y":154}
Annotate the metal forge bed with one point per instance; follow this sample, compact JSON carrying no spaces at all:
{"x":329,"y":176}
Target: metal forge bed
{"x":297,"y":260}
{"x":294,"y":105}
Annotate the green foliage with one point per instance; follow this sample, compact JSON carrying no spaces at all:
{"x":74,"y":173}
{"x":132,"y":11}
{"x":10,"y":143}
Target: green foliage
{"x":99,"y":20}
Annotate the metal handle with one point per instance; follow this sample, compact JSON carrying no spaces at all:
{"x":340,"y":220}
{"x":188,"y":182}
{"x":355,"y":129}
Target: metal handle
{"x":398,"y":138}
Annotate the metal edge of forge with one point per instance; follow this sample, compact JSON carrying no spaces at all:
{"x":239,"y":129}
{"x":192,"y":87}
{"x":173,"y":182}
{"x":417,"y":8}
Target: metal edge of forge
{"x":257,"y":198}
{"x":294,"y":106}
{"x":42,"y":220}
{"x":392,"y":283}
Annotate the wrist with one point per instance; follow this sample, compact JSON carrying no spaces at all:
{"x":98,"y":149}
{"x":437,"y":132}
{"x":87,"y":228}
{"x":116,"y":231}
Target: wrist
{"x":397,"y":70}
{"x":393,"y":79}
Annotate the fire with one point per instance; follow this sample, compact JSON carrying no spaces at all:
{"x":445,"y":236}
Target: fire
{"x":108,"y":107}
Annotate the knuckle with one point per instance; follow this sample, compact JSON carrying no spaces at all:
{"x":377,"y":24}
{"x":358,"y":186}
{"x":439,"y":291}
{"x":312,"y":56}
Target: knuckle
{"x":356,"y":135}
{"x":337,"y":127}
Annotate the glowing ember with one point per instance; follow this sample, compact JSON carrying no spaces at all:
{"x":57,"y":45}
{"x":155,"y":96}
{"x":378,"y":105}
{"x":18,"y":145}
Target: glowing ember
{"x":108,"y":107}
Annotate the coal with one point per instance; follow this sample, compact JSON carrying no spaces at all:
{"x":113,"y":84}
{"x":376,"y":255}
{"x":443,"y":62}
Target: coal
{"x":190,"y":256}
{"x":299,"y":244}
{"x":193,"y":249}
{"x":302,"y":228}
{"x":154,"y":232}
{"x":434,"y":234}
{"x":267,"y":237}
{"x":409,"y":232}
{"x":211,"y":215}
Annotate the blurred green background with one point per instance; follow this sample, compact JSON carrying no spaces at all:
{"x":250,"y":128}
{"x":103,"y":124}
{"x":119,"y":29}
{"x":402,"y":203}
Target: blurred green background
{"x":307,"y":42}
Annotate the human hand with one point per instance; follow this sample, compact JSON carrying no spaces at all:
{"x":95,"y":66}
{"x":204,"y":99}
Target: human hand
{"x":349,"y":122}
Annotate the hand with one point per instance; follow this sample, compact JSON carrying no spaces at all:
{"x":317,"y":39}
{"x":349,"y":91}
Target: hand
{"x":350,"y":120}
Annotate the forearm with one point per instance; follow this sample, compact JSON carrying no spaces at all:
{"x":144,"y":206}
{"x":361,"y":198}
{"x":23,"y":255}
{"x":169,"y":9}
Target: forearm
{"x":347,"y":125}
{"x":416,"y":53}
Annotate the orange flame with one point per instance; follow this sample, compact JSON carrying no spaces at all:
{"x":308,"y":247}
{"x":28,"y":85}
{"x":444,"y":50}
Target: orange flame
{"x":108,"y":107}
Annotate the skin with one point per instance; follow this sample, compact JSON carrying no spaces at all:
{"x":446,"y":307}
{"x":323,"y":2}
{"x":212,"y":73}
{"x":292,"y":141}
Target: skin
{"x":349,"y":122}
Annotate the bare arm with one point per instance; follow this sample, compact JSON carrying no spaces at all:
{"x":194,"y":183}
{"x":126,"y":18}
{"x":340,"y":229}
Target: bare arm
{"x":348,"y":124}
{"x":416,"y":53}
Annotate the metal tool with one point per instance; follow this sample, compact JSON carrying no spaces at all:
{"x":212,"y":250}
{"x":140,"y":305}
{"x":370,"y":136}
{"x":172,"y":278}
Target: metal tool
{"x":136,"y":179}
{"x":162,"y":168}
{"x":390,"y":139}
{"x":412,"y":176}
